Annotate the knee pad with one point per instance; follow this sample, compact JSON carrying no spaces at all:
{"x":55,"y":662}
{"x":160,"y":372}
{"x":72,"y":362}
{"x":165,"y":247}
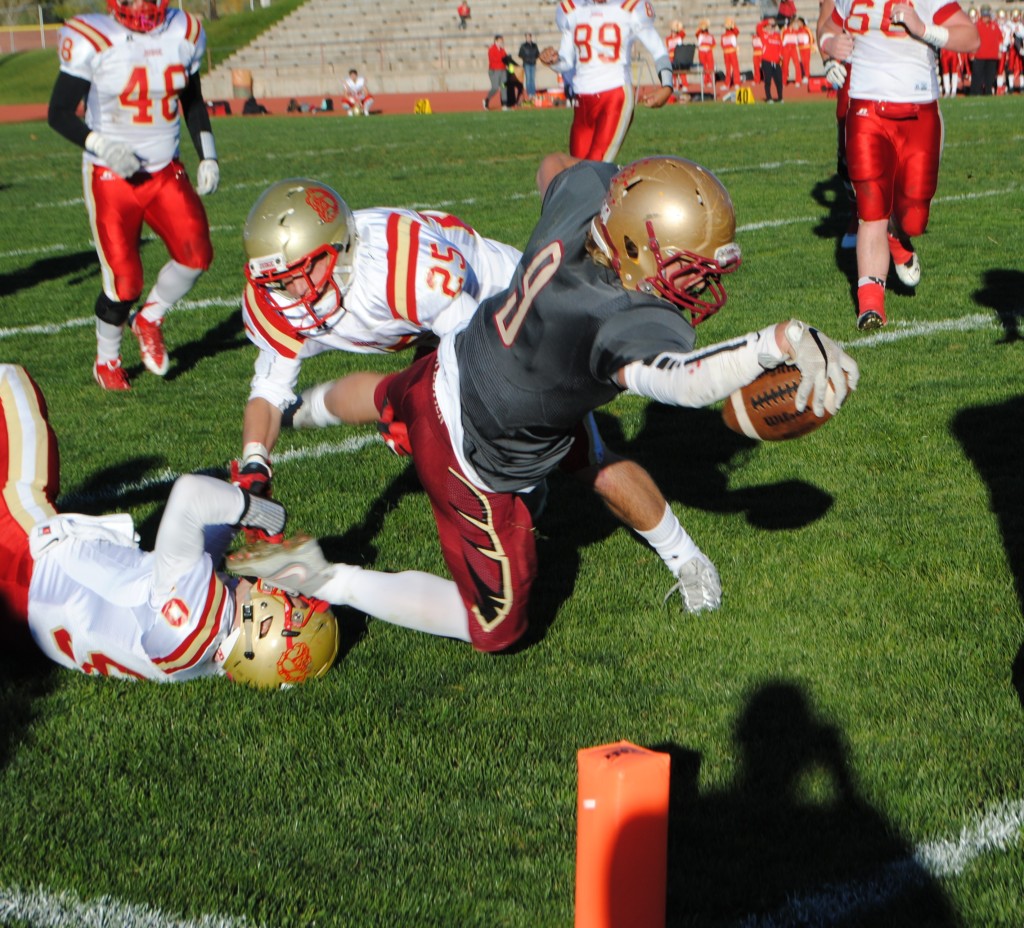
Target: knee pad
{"x":113,"y":311}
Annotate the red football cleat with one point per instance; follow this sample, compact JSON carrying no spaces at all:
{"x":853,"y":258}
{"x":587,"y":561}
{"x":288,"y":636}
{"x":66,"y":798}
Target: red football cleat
{"x":110,"y":375}
{"x":151,"y":344}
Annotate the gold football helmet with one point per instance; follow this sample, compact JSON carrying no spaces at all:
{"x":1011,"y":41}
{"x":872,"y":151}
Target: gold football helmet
{"x":667,"y":226}
{"x":283,"y":639}
{"x":292,"y":226}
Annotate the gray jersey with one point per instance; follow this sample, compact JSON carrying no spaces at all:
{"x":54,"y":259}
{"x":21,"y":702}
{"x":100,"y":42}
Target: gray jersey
{"x":535,"y":359}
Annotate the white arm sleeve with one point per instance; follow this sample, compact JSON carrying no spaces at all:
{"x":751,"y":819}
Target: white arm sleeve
{"x":699,"y":378}
{"x":567,"y":47}
{"x":199,"y":519}
{"x":275,"y":379}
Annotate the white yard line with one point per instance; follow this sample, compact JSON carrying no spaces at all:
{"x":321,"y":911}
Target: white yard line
{"x":995,"y":829}
{"x":42,"y":909}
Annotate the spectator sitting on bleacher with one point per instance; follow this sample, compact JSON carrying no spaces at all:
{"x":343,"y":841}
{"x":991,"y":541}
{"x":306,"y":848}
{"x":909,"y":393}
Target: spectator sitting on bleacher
{"x":253,"y":107}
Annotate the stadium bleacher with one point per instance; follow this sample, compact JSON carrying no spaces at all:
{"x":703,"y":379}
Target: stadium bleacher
{"x":412,"y":48}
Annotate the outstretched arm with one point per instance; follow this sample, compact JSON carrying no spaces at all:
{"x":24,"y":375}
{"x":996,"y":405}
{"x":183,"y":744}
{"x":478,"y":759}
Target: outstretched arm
{"x":699,"y":378}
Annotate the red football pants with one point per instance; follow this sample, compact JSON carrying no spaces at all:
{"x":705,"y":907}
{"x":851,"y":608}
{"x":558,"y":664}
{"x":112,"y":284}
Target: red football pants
{"x":29,"y":483}
{"x":893,"y":151}
{"x":486,"y":538}
{"x":165,"y":201}
{"x":600,"y":124}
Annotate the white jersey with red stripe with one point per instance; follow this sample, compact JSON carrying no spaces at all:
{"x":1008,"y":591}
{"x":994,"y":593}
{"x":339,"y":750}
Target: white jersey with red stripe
{"x":356,"y":89}
{"x":92,"y":608}
{"x":415,"y":274}
{"x":135,"y":78}
{"x":597,"y":42}
{"x":888,"y":64}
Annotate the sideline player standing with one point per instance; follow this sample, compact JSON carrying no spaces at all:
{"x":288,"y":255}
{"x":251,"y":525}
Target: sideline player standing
{"x":138,"y":71}
{"x":893,"y":127}
{"x":587,"y":316}
{"x":596,"y":49}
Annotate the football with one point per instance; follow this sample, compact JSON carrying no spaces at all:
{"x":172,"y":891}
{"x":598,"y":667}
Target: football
{"x":765,"y":409}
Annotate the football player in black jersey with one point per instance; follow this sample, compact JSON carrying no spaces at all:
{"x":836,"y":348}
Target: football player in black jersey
{"x":620,"y":268}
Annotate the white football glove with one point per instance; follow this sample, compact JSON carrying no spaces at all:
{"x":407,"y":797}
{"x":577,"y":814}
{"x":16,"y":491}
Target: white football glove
{"x":698,"y":585}
{"x":835,"y":72}
{"x":115,"y":155}
{"x":822,"y":363}
{"x":207,"y":177}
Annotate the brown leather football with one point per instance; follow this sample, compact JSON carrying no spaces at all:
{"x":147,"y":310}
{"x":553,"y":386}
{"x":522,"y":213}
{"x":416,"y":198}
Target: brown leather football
{"x":765,"y":409}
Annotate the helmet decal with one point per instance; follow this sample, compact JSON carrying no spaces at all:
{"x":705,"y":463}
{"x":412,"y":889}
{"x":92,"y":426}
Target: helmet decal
{"x":323,"y":204}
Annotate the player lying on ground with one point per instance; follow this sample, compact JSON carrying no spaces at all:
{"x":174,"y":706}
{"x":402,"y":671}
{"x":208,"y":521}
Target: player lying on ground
{"x":92,"y":600}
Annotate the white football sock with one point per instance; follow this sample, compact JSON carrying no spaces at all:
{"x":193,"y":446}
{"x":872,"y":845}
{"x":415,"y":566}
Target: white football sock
{"x":671,"y":541}
{"x":412,"y":599}
{"x":108,"y":341}
{"x":172,"y":283}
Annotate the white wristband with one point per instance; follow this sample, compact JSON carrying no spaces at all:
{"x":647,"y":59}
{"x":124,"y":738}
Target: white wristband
{"x":827,"y":37}
{"x":665,"y":75}
{"x":935,"y":35}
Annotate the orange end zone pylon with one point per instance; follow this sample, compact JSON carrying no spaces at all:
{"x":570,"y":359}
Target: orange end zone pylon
{"x":621,"y":837}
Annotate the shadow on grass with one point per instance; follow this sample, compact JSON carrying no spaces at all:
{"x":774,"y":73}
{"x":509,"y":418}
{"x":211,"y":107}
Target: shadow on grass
{"x":47,"y":270}
{"x":117,"y":488}
{"x":26,"y":677}
{"x":991,"y":437}
{"x":1002,"y":290}
{"x":227,"y":335}
{"x":690,"y":454}
{"x":791,"y":842}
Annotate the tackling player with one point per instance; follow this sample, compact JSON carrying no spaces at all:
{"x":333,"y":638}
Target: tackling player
{"x":138,"y":71}
{"x":596,"y":49}
{"x":93,"y":601}
{"x":321,"y":277}
{"x":893,"y":127}
{"x":618,"y":265}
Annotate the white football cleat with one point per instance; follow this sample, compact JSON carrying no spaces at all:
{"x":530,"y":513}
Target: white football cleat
{"x":698,"y":585}
{"x":296,"y":565}
{"x":909,"y":273}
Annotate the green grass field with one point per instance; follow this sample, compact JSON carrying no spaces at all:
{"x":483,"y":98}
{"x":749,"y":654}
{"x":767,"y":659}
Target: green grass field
{"x":846,"y":732}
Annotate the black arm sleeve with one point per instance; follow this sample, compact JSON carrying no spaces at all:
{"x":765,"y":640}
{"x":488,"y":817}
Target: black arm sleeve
{"x":62,"y":115}
{"x":193,"y":108}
